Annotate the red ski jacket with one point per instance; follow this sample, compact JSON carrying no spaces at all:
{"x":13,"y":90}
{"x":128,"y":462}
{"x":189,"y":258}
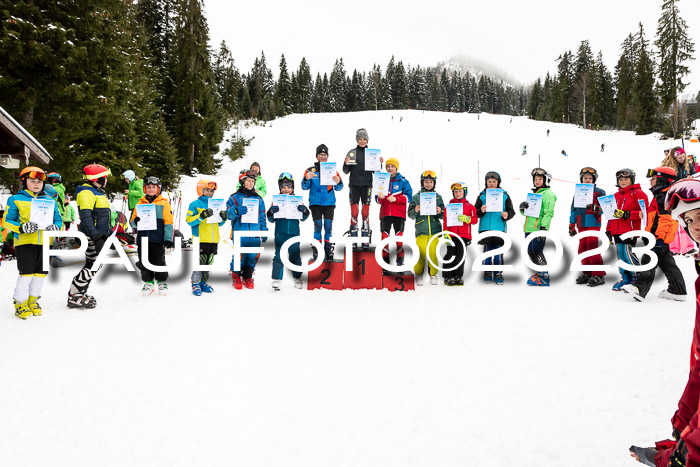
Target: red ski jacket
{"x":464,"y":230}
{"x":628,"y":200}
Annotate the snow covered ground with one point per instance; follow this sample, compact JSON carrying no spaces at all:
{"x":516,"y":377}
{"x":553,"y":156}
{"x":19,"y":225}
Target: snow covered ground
{"x":477,"y":375}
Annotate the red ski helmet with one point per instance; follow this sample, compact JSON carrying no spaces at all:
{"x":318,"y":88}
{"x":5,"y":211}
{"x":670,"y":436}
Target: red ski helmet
{"x":95,"y":172}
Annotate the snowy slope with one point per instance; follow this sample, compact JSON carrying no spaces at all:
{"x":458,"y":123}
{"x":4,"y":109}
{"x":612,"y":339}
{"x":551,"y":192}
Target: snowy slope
{"x":477,"y":375}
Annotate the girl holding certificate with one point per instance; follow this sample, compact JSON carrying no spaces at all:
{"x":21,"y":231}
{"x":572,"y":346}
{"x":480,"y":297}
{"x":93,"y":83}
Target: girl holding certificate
{"x":393,"y":208}
{"x":27,"y":214}
{"x":426,"y":208}
{"x":466,"y":217}
{"x":538,"y":216}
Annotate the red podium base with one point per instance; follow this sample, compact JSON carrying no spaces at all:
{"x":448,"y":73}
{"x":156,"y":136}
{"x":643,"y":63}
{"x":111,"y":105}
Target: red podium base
{"x":327,"y":276}
{"x":399,"y":281}
{"x":365,"y":274}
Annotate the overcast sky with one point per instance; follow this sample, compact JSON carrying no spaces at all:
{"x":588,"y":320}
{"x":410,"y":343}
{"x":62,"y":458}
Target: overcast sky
{"x":521,"y":37}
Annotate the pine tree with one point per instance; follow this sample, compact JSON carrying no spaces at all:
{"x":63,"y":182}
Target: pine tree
{"x":583,"y":82}
{"x":675,"y":48}
{"x":228,"y":82}
{"x":564,"y":88}
{"x":337,"y":92}
{"x":303,"y":88}
{"x":283,"y":92}
{"x":645,"y":102}
{"x":624,"y":85}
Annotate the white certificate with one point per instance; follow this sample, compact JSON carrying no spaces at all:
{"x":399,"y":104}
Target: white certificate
{"x":293,"y":203}
{"x":148,"y":219}
{"x":494,"y":200}
{"x":372,"y":161}
{"x":583,"y":196}
{"x":216,"y":205}
{"x":608,"y":205}
{"x":328,"y":171}
{"x":643,"y":206}
{"x":381,"y":183}
{"x":253,"y":214}
{"x":428,"y":204}
{"x":534,"y":201}
{"x":453,"y":211}
{"x":281,"y":202}
{"x":41,"y":212}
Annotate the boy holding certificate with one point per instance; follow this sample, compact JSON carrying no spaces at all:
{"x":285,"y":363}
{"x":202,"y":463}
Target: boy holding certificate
{"x":393,"y":208}
{"x":538,"y":217}
{"x":286,"y":227}
{"x":241,"y":211}
{"x":585,"y":215}
{"x":426,"y":208}
{"x":321,"y":200}
{"x":27,"y":214}
{"x":494,"y":208}
{"x":159,"y":235}
{"x":199,"y":215}
{"x":462,"y":228}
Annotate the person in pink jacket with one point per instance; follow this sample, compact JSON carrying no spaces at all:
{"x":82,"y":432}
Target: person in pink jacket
{"x":457,"y":251}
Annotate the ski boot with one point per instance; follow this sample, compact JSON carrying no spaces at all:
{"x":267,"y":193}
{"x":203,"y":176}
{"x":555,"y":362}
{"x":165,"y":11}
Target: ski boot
{"x":663,"y":294}
{"x":328,"y":249}
{"x":366,"y":232}
{"x":236,"y":281}
{"x":314,"y":254}
{"x":353,"y":232}
{"x":595,"y":281}
{"x":488,"y":276}
{"x":498,"y":278}
{"x":81,"y":301}
{"x":433,"y":280}
{"x":22,"y":310}
{"x":634,"y":291}
{"x":196,"y":289}
{"x":206,"y":288}
{"x":619,"y":285}
{"x":34,"y":305}
{"x":162,"y":288}
{"x":458,"y":281}
{"x":419,"y":280}
{"x":277,"y":284}
{"x":539,"y":279}
{"x":448,"y":281}
{"x":298,"y":283}
{"x":148,"y":288}
{"x":583,"y":279}
{"x":399,"y":261}
{"x":248,"y":282}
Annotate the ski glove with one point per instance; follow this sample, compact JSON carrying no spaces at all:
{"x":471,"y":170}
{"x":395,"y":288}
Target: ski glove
{"x":206,"y":213}
{"x":169,"y":244}
{"x":523,"y":206}
{"x":136,"y":220}
{"x":302,"y":208}
{"x":53,"y":227}
{"x":241,"y":210}
{"x":274,"y":209}
{"x":594,"y":208}
{"x":620,"y":214}
{"x":223,"y":215}
{"x":463,"y":218}
{"x":28,"y":227}
{"x":572,"y":230}
{"x":646,"y":455}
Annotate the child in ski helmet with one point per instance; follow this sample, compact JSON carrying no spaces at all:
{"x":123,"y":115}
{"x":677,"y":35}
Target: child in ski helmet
{"x":159,"y":238}
{"x":427,"y":225}
{"x":627,"y":217}
{"x":587,"y":218}
{"x":540,"y":180}
{"x":493,"y":221}
{"x":321,"y":200}
{"x":28,"y":240}
{"x":198,"y":215}
{"x":286,"y":228}
{"x":392,"y":212}
{"x":95,"y":216}
{"x":660,"y":223}
{"x":260,"y":185}
{"x":454,"y":269}
{"x":236,"y":210}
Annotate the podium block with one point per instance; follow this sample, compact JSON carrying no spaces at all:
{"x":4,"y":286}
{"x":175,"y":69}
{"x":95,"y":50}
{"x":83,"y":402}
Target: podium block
{"x":327,"y":276}
{"x":399,"y":281}
{"x":365,"y":274}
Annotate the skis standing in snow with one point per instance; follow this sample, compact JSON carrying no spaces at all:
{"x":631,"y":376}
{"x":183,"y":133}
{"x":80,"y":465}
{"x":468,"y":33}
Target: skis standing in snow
{"x":392,"y":212}
{"x":197,"y":214}
{"x":158,"y":239}
{"x":427,"y":225}
{"x":28,"y":240}
{"x":493,"y":221}
{"x":457,"y":250}
{"x":584,"y":219}
{"x":284,"y":230}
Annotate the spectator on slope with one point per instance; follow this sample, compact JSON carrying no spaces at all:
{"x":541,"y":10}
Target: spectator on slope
{"x":260,"y":185}
{"x":679,"y":162}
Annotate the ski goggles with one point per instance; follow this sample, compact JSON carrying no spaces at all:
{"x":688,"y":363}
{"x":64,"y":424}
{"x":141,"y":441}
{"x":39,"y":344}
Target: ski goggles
{"x":247,"y":174}
{"x":686,"y":191}
{"x":286,"y":176}
{"x":151,"y":180}
{"x":589,"y":170}
{"x":210,"y":185}
{"x":625,"y":173}
{"x":54,"y":177}
{"x":493,"y":175}
{"x":538,"y":171}
{"x":657,"y":173}
{"x":35,"y":174}
{"x":429,"y":174}
{"x":458,"y":186}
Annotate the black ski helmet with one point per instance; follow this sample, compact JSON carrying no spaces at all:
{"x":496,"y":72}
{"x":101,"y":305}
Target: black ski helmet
{"x":588,"y":171}
{"x":626,"y":172}
{"x":494,"y":175}
{"x":428,"y":175}
{"x":543,"y":173}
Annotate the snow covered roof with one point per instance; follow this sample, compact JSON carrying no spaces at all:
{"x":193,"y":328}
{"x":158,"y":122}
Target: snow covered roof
{"x":17,"y":141}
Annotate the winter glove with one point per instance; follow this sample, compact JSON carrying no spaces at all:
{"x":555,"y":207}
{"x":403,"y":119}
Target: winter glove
{"x":572,"y":230}
{"x":463,"y":218}
{"x":274,"y":209}
{"x":53,"y":227}
{"x":524,"y":205}
{"x":169,"y":244}
{"x":620,"y":214}
{"x":645,"y":455}
{"x":136,"y":220}
{"x":223,"y":215}
{"x":303,"y":209}
{"x":241,"y":210}
{"x":28,"y":227}
{"x":206,"y":213}
{"x":594,"y":208}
